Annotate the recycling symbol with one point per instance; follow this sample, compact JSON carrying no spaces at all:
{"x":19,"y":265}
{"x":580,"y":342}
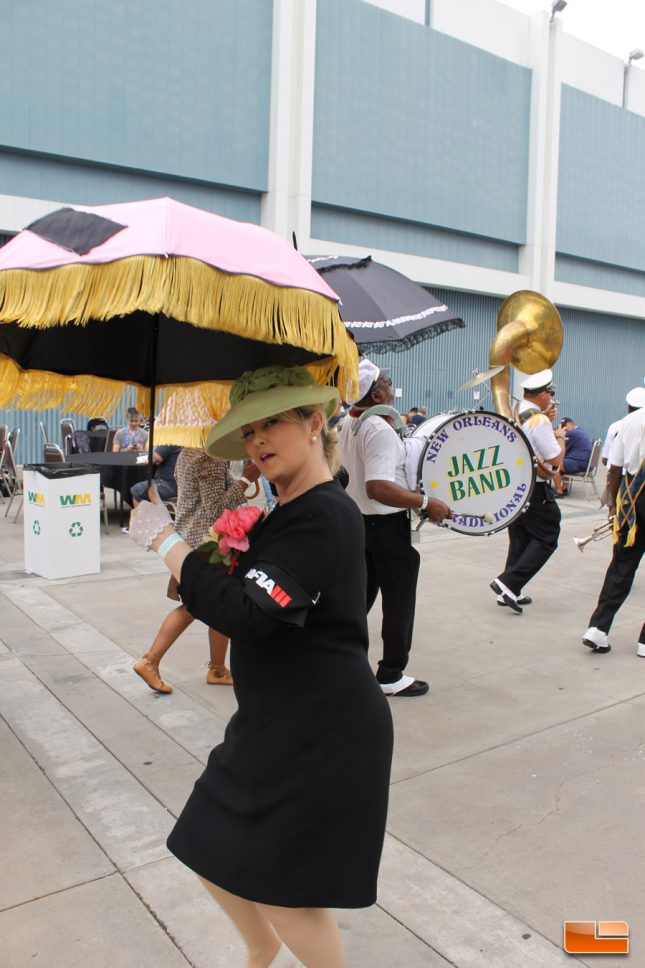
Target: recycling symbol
{"x":36,"y":527}
{"x":76,"y":529}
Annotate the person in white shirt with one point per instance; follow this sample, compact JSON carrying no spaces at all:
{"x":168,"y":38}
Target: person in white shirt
{"x":533,"y":537}
{"x":374,"y":457}
{"x":631,"y":400}
{"x":627,"y":496}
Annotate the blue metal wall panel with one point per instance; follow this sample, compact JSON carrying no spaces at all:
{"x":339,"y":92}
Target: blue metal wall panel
{"x":601,"y":189}
{"x":594,"y":344}
{"x":582,"y":272}
{"x":430,"y":372}
{"x":93,"y":185}
{"x":603,"y":358}
{"x":415,"y":125}
{"x":356,"y":228}
{"x":160,"y":86}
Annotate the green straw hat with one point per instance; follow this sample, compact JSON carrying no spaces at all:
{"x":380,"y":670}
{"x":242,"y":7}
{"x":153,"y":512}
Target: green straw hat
{"x":265,"y":393}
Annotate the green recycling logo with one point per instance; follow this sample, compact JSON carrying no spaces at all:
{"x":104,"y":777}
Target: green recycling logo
{"x":36,"y":527}
{"x":76,"y":529}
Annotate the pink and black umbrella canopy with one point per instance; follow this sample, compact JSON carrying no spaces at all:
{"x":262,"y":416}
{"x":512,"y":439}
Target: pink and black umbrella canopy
{"x":156,"y":293}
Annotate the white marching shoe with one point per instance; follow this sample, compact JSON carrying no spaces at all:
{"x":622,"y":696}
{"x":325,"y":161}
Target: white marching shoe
{"x":595,"y":639}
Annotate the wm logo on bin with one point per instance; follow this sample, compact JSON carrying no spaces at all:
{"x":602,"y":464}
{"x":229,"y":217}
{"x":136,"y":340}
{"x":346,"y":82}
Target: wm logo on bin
{"x":35,"y":498}
{"x":74,"y":500}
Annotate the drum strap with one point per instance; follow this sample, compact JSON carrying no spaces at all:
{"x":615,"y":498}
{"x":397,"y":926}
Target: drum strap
{"x":543,"y":472}
{"x":527,"y":414}
{"x":381,"y":410}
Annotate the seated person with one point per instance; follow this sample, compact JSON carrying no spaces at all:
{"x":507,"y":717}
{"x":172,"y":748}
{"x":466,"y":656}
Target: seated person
{"x":416,"y":416}
{"x":164,"y":458}
{"x":97,"y":423}
{"x":132,"y":436}
{"x":578,"y":447}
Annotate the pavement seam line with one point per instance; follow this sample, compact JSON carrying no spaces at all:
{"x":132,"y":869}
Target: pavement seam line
{"x":82,"y":623}
{"x":62,"y":890}
{"x":109,"y":759}
{"x":517,"y":739}
{"x":414,"y":934}
{"x":162,"y":924}
{"x":98,"y":739}
{"x":453,"y":876}
{"x":488,"y":901}
{"x":64,"y":799}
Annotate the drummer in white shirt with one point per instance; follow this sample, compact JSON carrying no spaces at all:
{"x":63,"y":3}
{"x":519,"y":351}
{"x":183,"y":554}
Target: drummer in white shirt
{"x":375,"y":459}
{"x":627,"y":492}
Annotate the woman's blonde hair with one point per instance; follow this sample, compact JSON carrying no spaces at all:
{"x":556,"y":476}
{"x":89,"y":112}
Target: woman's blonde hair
{"x":328,"y":436}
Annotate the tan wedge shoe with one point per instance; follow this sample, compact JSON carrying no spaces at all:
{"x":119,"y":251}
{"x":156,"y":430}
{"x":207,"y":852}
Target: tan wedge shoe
{"x":148,"y":668}
{"x":218,"y":675}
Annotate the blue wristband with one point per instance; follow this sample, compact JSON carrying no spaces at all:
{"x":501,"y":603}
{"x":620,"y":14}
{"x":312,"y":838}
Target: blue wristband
{"x":167,"y":544}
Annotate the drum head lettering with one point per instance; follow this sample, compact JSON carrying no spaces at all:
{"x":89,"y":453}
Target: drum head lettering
{"x":481,"y":465}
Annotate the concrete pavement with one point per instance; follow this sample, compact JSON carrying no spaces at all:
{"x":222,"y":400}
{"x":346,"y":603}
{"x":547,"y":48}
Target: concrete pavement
{"x":517,"y":789}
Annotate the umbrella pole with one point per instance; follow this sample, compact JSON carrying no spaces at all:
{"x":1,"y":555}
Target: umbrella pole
{"x":153,"y":390}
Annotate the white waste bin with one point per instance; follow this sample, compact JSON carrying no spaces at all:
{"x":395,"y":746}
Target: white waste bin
{"x":62,"y":520}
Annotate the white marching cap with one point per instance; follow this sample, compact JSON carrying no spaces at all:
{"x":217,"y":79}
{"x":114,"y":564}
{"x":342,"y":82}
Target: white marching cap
{"x":636,"y":397}
{"x":368,"y":374}
{"x":538,"y":381}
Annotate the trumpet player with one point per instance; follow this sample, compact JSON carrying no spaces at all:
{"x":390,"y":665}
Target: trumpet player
{"x":627,"y":496}
{"x":533,"y":537}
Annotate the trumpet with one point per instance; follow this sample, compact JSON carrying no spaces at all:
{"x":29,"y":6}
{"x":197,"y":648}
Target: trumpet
{"x":598,"y":533}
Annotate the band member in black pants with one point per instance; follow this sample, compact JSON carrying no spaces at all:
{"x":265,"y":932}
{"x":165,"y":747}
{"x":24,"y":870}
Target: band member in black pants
{"x":374,"y":456}
{"x":534,"y":536}
{"x":627,"y":494}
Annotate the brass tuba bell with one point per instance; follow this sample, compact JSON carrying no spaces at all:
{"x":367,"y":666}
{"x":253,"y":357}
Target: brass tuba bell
{"x":529,"y":336}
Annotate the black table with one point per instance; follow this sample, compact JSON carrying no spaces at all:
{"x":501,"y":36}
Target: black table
{"x":118,"y":470}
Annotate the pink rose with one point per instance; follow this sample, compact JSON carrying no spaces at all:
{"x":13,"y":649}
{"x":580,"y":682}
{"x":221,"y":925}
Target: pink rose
{"x":233,"y":527}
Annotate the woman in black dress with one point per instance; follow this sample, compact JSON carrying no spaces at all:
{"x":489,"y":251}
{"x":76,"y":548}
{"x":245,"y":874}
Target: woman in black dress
{"x":288,"y":818}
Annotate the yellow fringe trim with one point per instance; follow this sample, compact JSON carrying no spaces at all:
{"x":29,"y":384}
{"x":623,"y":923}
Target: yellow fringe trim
{"x":182,"y":436}
{"x":93,"y":396}
{"x":184,"y":289}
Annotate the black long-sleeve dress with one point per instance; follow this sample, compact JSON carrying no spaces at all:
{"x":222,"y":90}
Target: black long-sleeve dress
{"x":291,"y":807}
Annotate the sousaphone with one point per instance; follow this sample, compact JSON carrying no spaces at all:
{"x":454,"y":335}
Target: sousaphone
{"x":529,"y":337}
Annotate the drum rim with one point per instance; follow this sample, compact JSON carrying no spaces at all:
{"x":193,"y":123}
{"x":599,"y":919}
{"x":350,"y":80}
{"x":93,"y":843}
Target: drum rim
{"x":507,"y":420}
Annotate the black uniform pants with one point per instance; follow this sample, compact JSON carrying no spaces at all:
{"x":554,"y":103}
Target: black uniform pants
{"x":532,"y":539}
{"x":620,"y":574}
{"x":392,"y":569}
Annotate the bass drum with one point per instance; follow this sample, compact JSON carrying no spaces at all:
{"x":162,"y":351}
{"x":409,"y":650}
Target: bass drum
{"x":478,"y":463}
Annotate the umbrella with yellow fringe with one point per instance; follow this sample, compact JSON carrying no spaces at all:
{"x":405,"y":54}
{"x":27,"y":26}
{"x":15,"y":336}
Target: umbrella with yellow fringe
{"x":157,"y":294}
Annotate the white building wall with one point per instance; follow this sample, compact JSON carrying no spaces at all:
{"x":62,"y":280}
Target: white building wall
{"x":554,"y":58}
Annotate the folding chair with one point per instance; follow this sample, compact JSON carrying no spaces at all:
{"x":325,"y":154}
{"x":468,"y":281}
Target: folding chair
{"x":67,"y":431}
{"x":53,"y":454}
{"x":4,"y":474}
{"x":109,"y":440}
{"x":588,"y":476}
{"x":16,"y":478}
{"x":14,"y":437}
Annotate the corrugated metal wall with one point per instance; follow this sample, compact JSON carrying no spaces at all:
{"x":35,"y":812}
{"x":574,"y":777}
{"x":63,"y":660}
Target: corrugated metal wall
{"x":603,"y":357}
{"x":30,"y":446}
